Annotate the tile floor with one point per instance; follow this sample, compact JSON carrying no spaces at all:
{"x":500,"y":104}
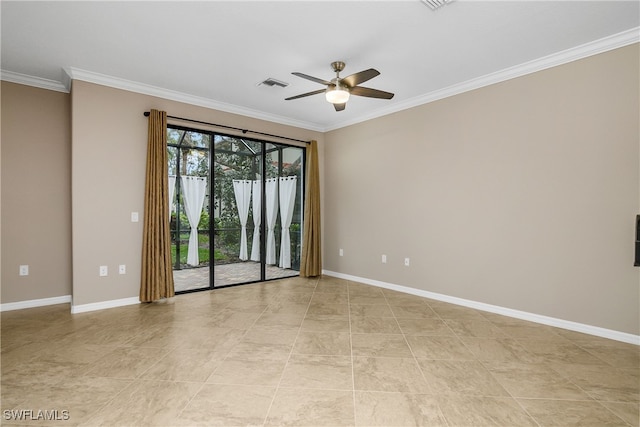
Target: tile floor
{"x":309,"y":352}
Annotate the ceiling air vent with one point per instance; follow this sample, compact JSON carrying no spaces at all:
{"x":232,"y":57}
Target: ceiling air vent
{"x":273,"y":82}
{"x":435,"y":4}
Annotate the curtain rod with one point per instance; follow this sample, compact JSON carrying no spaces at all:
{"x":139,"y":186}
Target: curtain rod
{"x":146,"y":114}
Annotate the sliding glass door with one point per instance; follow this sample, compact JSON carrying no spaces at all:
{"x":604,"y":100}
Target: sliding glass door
{"x":236,"y":211}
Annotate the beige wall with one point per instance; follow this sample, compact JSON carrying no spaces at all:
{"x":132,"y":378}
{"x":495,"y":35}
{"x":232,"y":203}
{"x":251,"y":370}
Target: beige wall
{"x":36,"y":197}
{"x":522,"y":194}
{"x":108,"y":159}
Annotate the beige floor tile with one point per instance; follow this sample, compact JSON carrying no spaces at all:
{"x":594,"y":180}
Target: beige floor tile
{"x":326,"y":323}
{"x":568,"y":413}
{"x":460,"y":377}
{"x":362,"y":298}
{"x":33,"y":373}
{"x":380,"y":345}
{"x":338,"y":288}
{"x":79,"y":355}
{"x":227,"y":405}
{"x":125,"y":362}
{"x":532,"y":330}
{"x":323,"y":343}
{"x":111,"y":335}
{"x":147,"y":403}
{"x":630,"y":412}
{"x":331,"y":279}
{"x":559,"y":351}
{"x":370,"y":310}
{"x":365,"y":290}
{"x":397,"y":409}
{"x":388,"y":374}
{"x":157,"y":337}
{"x":618,"y":354}
{"x":81,"y":397}
{"x":603,"y":382}
{"x":247,"y":306}
{"x":534,"y":381}
{"x":218,"y":339}
{"x":324,"y":309}
{"x":313,"y":371}
{"x":475,"y":328}
{"x":451,"y":311}
{"x":430,"y":326}
{"x":22,"y":352}
{"x":374,"y":325}
{"x":277,"y":321}
{"x":298,"y":407}
{"x":400,"y":298}
{"x":465,"y":411}
{"x":234,"y":319}
{"x":284,"y":307}
{"x":438,"y":347}
{"x":412,"y":311}
{"x":295,"y":298}
{"x":185,"y":364}
{"x":498,"y":349}
{"x":329,"y":298}
{"x":261,"y":341}
{"x":263,"y":369}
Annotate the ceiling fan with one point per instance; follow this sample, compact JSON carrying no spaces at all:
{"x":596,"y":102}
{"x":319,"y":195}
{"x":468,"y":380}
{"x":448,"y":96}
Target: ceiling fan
{"x":338,"y":89}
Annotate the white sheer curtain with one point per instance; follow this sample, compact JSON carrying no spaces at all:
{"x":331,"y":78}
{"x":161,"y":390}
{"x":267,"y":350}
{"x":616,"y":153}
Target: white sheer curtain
{"x":242,"y":191}
{"x":272,"y":213}
{"x":194,"y":189}
{"x":257,"y":219}
{"x":287,"y":202}
{"x":172,"y":192}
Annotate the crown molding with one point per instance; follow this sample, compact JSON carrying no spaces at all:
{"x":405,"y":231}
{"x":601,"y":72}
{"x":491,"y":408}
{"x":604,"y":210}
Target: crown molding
{"x":605,"y":44}
{"x":145,"y":89}
{"x":23,"y":79}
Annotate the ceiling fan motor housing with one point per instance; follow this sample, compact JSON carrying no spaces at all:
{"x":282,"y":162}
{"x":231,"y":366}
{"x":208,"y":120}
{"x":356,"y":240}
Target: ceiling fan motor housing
{"x":337,"y":66}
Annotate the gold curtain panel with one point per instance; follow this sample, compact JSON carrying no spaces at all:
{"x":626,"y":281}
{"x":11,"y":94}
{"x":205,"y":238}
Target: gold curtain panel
{"x":157,"y":274}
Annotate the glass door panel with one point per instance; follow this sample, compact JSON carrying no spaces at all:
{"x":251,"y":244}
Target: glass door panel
{"x":236,"y":177}
{"x":189,"y":182}
{"x":285,"y":173}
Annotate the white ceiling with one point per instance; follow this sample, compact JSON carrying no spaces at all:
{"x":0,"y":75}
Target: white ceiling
{"x":215,"y":53}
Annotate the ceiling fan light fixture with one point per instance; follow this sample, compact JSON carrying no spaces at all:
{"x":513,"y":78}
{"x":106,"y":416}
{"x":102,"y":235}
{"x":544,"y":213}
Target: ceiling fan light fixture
{"x":337,"y":95}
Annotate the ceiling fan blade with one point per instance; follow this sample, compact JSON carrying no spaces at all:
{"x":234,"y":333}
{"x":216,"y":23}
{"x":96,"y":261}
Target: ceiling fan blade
{"x":370,"y":93}
{"x":315,"y":92}
{"x":313,"y":79}
{"x":361,"y":77}
{"x":340,"y":107}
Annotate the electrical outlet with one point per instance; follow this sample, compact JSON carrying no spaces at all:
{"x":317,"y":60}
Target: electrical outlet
{"x":341,"y":252}
{"x":134,"y":217}
{"x":384,"y":259}
{"x":122,"y":269}
{"x":406,"y":262}
{"x":24,"y":270}
{"x":104,"y":271}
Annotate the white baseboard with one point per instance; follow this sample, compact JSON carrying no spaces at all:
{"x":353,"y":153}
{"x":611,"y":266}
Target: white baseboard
{"x":83,"y":308}
{"x":532,"y":317}
{"x":19,"y":305}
